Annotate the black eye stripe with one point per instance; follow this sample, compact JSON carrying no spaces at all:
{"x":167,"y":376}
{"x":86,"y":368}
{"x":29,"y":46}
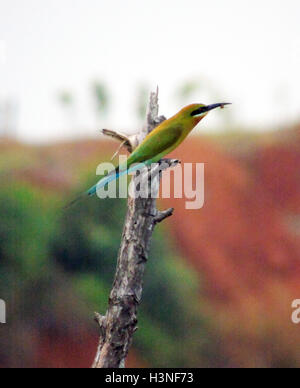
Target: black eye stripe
{"x":199,"y":111}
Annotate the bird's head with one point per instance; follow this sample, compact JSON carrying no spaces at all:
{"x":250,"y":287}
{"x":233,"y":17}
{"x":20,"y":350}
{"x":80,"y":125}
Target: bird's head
{"x":194,"y":113}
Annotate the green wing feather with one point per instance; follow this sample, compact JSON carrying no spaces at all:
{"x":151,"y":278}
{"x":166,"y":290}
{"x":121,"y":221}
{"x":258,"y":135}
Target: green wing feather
{"x":157,"y":144}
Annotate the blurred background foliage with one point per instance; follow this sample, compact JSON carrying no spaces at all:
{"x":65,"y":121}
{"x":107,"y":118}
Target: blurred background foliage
{"x":52,"y":260}
{"x":219,"y":282}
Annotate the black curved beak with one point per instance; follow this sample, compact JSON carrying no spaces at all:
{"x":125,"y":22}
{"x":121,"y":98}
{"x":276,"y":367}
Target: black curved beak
{"x":214,"y":106}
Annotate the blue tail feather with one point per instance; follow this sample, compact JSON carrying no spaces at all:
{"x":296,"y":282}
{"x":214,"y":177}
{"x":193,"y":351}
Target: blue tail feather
{"x":111,"y":177}
{"x":108,"y":179}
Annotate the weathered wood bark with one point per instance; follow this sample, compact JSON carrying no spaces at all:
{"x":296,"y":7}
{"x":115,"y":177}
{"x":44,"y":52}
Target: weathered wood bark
{"x":120,"y":322}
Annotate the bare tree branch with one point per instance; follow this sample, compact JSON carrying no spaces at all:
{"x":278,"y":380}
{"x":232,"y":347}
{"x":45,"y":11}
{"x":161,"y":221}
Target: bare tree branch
{"x":120,"y":322}
{"x":128,"y":141}
{"x":161,"y":216}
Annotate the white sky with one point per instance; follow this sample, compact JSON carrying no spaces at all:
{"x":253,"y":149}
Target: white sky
{"x":248,"y":51}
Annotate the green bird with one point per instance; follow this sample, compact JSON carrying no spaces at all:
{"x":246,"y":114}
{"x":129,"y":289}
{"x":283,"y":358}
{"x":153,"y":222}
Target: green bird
{"x":164,"y":139}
